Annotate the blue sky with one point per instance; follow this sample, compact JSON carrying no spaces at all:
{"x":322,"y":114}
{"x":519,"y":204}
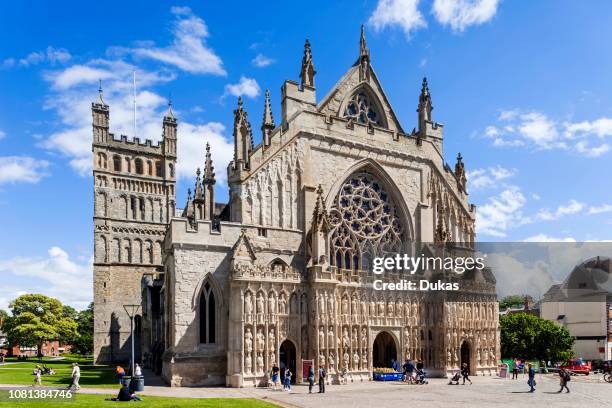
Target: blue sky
{"x":523,"y":89}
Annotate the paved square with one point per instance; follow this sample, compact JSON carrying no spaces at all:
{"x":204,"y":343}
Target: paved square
{"x":485,"y":392}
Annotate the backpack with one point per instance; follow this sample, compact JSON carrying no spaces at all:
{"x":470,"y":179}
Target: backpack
{"x":567,"y":376}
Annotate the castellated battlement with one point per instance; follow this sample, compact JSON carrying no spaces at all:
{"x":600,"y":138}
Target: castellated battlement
{"x":134,"y":145}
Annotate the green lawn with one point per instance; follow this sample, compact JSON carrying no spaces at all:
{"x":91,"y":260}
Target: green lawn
{"x":96,"y":400}
{"x":20,"y":372}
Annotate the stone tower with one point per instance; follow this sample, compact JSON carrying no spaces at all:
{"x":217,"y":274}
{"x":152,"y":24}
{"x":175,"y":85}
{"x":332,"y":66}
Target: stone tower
{"x":134,"y":199}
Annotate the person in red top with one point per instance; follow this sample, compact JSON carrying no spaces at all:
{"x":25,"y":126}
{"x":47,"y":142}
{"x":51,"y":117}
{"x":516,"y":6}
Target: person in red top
{"x":120,"y":374}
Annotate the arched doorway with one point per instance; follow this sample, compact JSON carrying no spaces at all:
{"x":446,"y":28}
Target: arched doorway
{"x":466,"y":355}
{"x":384,"y":350}
{"x":287,"y":358}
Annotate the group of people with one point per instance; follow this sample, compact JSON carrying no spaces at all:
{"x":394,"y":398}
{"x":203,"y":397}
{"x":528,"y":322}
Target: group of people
{"x":311,"y":379}
{"x":411,"y":373}
{"x":286,"y":377}
{"x":75,"y":376}
{"x":564,"y":378}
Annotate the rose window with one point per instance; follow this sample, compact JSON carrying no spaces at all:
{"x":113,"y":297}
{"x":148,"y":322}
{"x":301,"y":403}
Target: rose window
{"x":361,"y":109}
{"x":365,"y":223}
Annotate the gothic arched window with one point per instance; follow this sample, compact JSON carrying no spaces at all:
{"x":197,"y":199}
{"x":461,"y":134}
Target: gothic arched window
{"x":365,"y":223}
{"x":207,"y":315}
{"x":361,"y":109}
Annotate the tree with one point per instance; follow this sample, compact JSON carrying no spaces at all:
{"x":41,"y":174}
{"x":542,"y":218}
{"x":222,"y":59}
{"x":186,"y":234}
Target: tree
{"x":70,"y":312}
{"x":83,"y":341}
{"x":3,"y":317}
{"x":36,"y":319}
{"x":531,"y":337}
{"x":511,"y":300}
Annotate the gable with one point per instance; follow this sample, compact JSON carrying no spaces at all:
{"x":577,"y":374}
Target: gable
{"x":336,"y":101}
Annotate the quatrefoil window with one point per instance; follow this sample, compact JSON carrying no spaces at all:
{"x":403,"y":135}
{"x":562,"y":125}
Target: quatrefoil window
{"x":361,"y":109}
{"x":365,"y":223}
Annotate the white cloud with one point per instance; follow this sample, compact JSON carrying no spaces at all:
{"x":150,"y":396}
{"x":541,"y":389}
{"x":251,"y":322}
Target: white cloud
{"x":2,"y":134}
{"x":548,"y":238}
{"x":604,"y":208}
{"x":460,"y":14}
{"x":489,"y":177}
{"x":188,"y":51}
{"x":537,"y":131}
{"x":245,"y":87}
{"x":401,"y":13}
{"x":50,"y":56}
{"x":55,"y":275}
{"x":572,"y":207}
{"x":192,"y":141}
{"x":15,"y":169}
{"x":77,"y":75}
{"x":261,"y":61}
{"x":501,"y":212}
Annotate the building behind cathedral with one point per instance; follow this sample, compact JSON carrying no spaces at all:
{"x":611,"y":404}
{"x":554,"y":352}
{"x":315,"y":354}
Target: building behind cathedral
{"x":282,"y":273}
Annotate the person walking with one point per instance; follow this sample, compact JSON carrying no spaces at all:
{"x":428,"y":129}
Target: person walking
{"x":564,"y":377}
{"x":76,"y":376}
{"x":515,"y":369}
{"x":37,"y":378}
{"x":531,"y":381}
{"x":275,"y":371}
{"x":310,"y":379}
{"x":322,"y":375}
{"x":287,"y":379}
{"x":409,"y":371}
{"x":120,"y":374}
{"x":465,"y":373}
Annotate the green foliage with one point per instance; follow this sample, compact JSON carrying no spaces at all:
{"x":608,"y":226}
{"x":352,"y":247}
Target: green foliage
{"x":531,"y":337}
{"x":83,"y":342}
{"x":70,"y":312}
{"x":36,"y":319}
{"x":3,"y":316}
{"x":511,"y":301}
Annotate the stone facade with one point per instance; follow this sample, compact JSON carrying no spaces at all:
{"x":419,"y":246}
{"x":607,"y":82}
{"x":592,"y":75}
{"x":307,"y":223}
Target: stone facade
{"x":134,"y":198}
{"x":282,"y":273}
{"x":287,"y":261}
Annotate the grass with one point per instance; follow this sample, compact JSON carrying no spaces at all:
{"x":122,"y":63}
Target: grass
{"x":20,"y":372}
{"x":97,"y":400}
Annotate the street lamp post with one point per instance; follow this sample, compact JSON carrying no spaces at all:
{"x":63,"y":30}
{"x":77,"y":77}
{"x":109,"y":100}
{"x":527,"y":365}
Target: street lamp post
{"x":131,"y":310}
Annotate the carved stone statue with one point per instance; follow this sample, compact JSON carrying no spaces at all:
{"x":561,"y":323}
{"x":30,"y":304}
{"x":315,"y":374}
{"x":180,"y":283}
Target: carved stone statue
{"x":478,"y":357}
{"x":260,"y":303}
{"x":282,"y":304}
{"x":345,"y":339}
{"x":354,"y":310}
{"x":261,"y":342}
{"x":272,"y":339}
{"x":356,"y":360}
{"x":272,"y":305}
{"x":248,"y":304}
{"x":321,"y":360}
{"x":355,"y":338}
{"x":344,"y":305}
{"x":321,"y":338}
{"x":321,"y":304}
{"x":364,"y":338}
{"x":260,"y":363}
{"x":272,"y":358}
{"x":330,"y":337}
{"x":248,"y":364}
{"x":346,"y":359}
{"x":248,"y":340}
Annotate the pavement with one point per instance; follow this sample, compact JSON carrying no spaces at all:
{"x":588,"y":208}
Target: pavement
{"x":484,"y":392}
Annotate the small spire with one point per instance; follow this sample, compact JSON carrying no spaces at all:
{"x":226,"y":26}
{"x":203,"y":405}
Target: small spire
{"x":198,"y":185}
{"x":209,"y":169}
{"x":169,"y":112}
{"x":101,"y":94}
{"x":308,"y":70}
{"x":268,"y":120}
{"x":364,"y":57}
{"x":425,"y":107}
{"x":267,"y":116}
{"x":240,"y":102}
{"x":363,"y":46}
{"x":460,"y":173}
{"x":188,"y":195}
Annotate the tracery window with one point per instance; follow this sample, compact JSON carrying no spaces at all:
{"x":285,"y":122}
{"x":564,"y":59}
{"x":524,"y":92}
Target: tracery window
{"x":207,"y":315}
{"x":365,"y":223}
{"x":362,"y":109}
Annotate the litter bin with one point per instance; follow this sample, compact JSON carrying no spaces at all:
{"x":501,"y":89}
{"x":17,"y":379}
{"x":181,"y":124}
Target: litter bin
{"x":126,"y":380}
{"x":138,"y":384}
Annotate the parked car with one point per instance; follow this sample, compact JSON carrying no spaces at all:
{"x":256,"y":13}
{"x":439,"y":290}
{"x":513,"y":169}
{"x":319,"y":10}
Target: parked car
{"x":577,"y":366}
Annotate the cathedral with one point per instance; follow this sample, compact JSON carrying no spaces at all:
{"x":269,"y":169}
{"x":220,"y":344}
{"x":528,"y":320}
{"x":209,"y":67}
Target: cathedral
{"x":282,"y":273}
